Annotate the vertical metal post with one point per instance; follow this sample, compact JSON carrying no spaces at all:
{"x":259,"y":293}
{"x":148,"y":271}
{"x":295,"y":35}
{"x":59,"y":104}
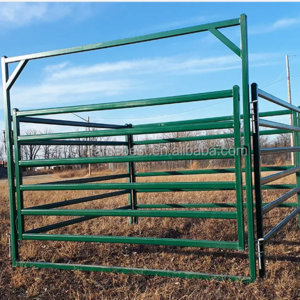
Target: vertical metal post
{"x":290,"y":101}
{"x":89,"y":147}
{"x":257,"y":180}
{"x":132,"y":196}
{"x":18,"y":174}
{"x":4,"y":140}
{"x":296,"y":122}
{"x":129,"y":178}
{"x":298,"y":163}
{"x":10,"y":163}
{"x":247,"y":145}
{"x":238,"y":167}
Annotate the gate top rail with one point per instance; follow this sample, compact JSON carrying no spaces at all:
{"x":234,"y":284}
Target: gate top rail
{"x":127,"y":41}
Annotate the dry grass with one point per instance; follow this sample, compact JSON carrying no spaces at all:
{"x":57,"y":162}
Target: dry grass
{"x":81,"y":173}
{"x":283,"y":254}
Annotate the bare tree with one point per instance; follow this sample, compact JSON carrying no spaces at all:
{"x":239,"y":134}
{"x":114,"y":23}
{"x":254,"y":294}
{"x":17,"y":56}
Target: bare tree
{"x":47,"y":149}
{"x":30,"y":152}
{"x":283,"y":140}
{"x":2,"y":147}
{"x":1,"y":151}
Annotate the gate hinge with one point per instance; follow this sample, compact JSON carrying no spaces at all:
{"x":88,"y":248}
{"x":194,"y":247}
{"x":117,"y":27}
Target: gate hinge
{"x":252,"y":113}
{"x":260,"y":251}
{"x":16,"y":222}
{"x":9,"y":244}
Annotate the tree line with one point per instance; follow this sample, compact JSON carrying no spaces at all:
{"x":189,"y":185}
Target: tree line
{"x":32,"y":152}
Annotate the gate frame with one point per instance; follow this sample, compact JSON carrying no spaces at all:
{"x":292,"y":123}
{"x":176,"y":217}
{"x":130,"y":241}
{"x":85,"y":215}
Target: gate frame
{"x":260,"y":207}
{"x":8,"y":82}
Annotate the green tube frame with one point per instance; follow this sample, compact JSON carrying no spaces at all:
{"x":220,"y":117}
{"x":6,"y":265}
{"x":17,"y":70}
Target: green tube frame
{"x":16,"y":205}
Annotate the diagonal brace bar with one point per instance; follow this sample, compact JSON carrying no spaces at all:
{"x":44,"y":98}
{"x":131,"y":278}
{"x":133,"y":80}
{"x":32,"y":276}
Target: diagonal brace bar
{"x":66,"y":223}
{"x":16,"y":73}
{"x":226,"y":41}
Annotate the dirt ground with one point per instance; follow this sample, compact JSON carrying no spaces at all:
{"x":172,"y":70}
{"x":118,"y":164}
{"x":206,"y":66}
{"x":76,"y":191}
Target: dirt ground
{"x":283,"y":253}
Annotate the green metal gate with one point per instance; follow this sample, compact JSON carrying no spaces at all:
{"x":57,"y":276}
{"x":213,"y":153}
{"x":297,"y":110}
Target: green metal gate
{"x":133,"y":210}
{"x":260,"y":183}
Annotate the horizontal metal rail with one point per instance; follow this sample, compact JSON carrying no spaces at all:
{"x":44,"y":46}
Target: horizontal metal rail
{"x":185,"y":172}
{"x":271,"y":132}
{"x":89,"y":179}
{"x":153,"y":189}
{"x":277,"y":176}
{"x":187,"y":205}
{"x":80,"y":200}
{"x":279,"y":150}
{"x":275,"y":168}
{"x":203,"y":205}
{"x":119,"y":159}
{"x":207,"y":120}
{"x":185,"y":139}
{"x":207,"y":171}
{"x":128,"y":104}
{"x":68,"y":123}
{"x":214,"y":119}
{"x":127,"y":41}
{"x":275,"y":113}
{"x":283,"y":223}
{"x":136,"y":271}
{"x":164,"y":205}
{"x":202,"y":137}
{"x":277,"y":186}
{"x":133,"y":240}
{"x":75,"y":143}
{"x":276,"y":100}
{"x":264,"y":187}
{"x":144,"y":142}
{"x":286,"y":204}
{"x":217,"y":185}
{"x":131,"y":213}
{"x":191,"y":121}
{"x":280,"y":200}
{"x":64,"y":223}
{"x":126,"y":131}
{"x":141,"y":206}
{"x":272,"y":124}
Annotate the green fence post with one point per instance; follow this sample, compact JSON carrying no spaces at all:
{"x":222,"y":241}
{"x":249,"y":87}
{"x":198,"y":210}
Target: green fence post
{"x":128,"y":180}
{"x":257,"y":181}
{"x":132,"y":196}
{"x":296,"y":136}
{"x":10,"y":163}
{"x":247,"y":145}
{"x":298,"y":163}
{"x":238,"y":167}
{"x":18,"y":174}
